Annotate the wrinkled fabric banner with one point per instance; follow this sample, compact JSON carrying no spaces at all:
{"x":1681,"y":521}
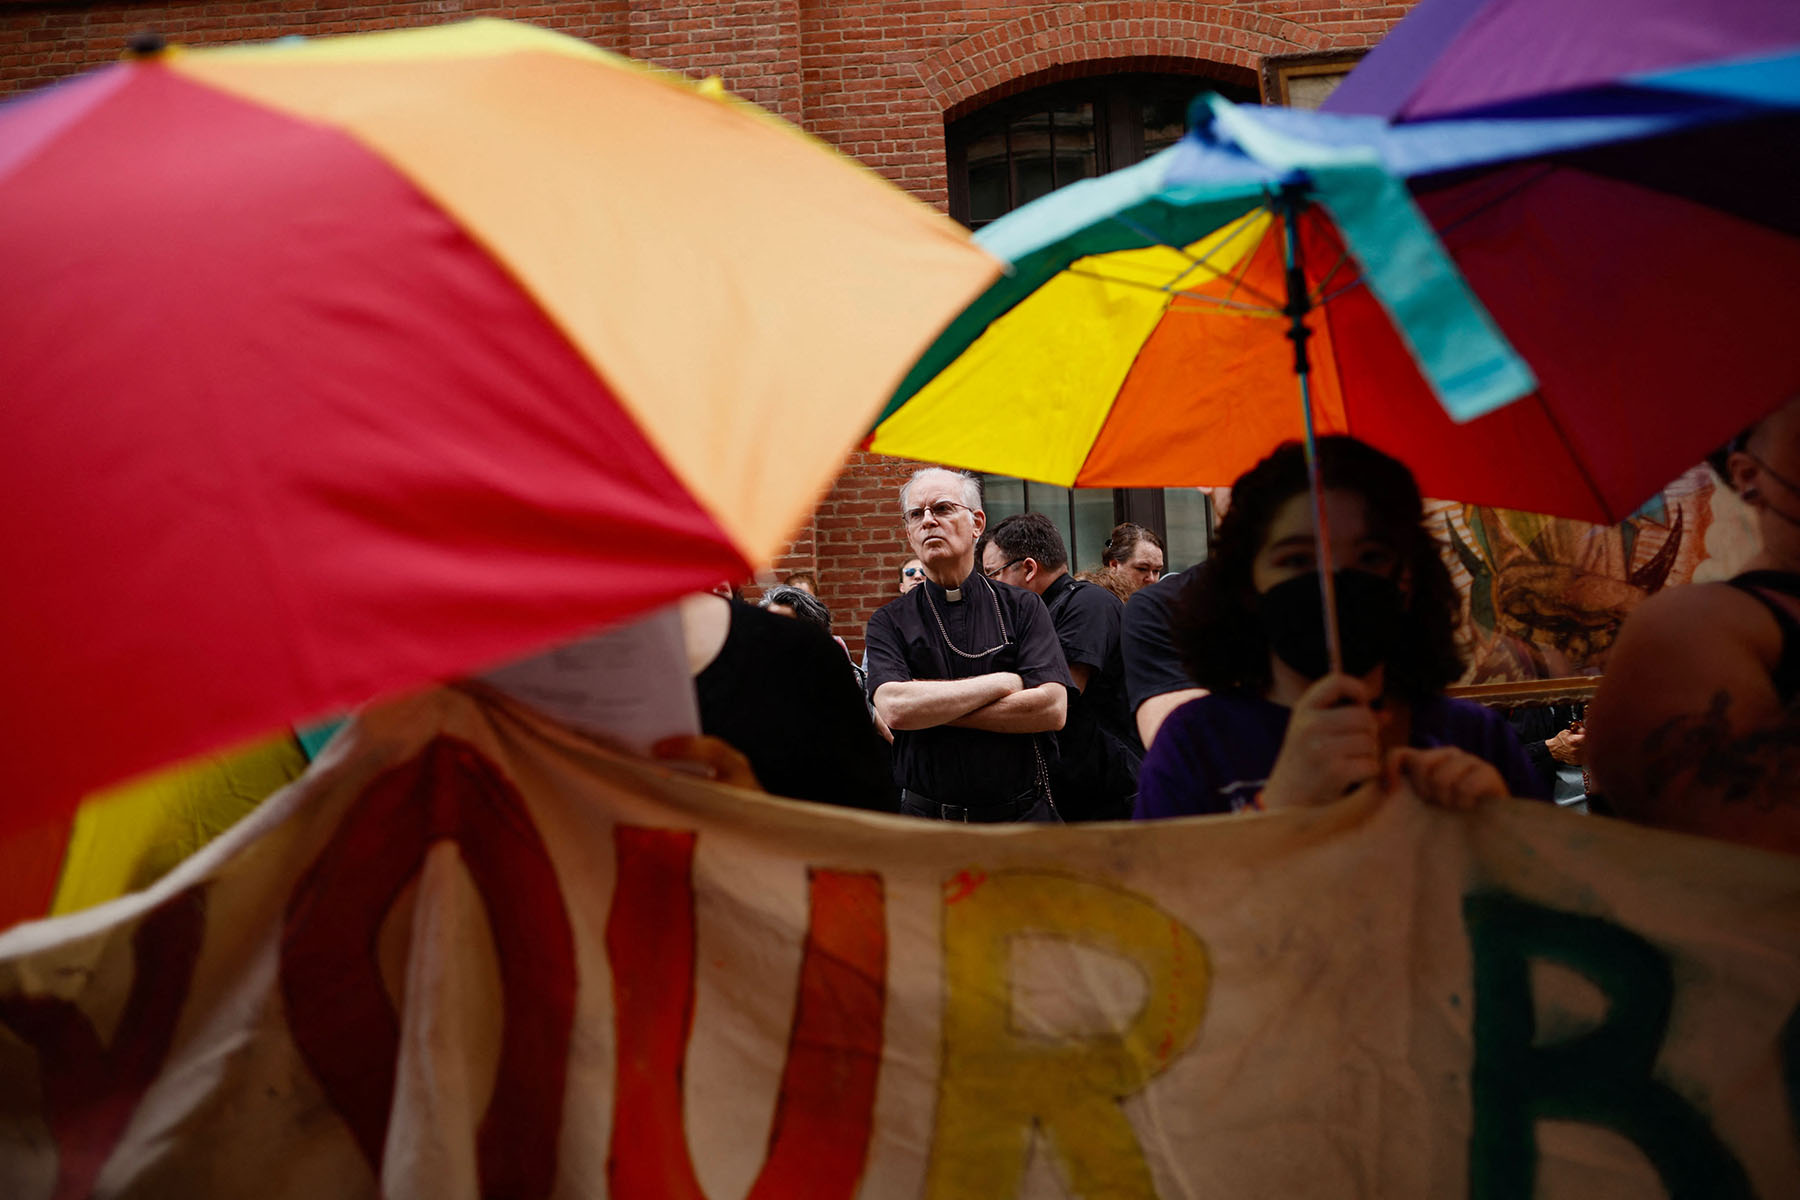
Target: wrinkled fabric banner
{"x":470,"y":954}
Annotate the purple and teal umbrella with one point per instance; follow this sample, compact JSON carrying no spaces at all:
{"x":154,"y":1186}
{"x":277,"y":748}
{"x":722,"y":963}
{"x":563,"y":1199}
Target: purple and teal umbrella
{"x":1466,"y":56}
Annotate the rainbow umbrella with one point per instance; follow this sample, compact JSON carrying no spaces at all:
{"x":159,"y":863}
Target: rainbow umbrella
{"x":333,"y":367}
{"x":1619,"y":260}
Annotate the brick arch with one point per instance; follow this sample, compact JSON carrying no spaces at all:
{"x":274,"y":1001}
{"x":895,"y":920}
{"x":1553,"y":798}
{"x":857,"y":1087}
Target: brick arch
{"x":1083,"y":68}
{"x":1042,"y":47}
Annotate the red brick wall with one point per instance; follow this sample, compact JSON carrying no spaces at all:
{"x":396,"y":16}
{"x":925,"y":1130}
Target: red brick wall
{"x":876,"y":80}
{"x":861,"y":542}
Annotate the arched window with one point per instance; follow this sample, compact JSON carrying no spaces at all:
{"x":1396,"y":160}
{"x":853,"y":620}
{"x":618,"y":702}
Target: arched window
{"x":1012,"y":151}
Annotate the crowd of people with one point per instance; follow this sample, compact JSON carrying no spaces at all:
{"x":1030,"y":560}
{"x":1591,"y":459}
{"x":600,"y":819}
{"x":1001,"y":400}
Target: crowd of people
{"x":1000,"y":686}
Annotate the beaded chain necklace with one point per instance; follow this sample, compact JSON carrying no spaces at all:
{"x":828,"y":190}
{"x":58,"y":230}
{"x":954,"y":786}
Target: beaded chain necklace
{"x":1043,"y":767}
{"x":1005,"y":637}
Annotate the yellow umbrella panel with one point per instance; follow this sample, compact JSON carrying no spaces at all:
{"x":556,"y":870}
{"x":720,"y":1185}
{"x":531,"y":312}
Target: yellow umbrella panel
{"x":1165,"y":362}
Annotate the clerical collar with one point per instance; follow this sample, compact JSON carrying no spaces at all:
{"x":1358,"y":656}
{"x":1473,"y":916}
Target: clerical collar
{"x":954,"y":595}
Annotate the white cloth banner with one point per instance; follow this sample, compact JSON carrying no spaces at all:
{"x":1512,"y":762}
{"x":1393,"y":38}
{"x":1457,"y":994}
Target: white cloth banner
{"x":471,"y":954}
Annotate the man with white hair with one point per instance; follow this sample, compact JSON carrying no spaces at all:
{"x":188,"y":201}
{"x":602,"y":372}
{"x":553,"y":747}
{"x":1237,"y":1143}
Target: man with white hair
{"x":967,"y":672}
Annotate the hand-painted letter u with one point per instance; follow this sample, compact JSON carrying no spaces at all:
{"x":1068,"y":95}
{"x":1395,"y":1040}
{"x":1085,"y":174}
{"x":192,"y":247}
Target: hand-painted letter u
{"x":823,"y":1116}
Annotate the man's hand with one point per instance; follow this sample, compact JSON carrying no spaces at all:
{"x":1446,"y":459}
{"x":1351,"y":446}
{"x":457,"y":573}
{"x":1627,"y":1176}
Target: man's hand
{"x":1040,"y":709}
{"x":1446,"y":777}
{"x":1332,"y":745}
{"x":1568,"y":747}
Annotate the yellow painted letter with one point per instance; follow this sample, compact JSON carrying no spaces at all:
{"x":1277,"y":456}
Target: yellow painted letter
{"x":999,"y":1084}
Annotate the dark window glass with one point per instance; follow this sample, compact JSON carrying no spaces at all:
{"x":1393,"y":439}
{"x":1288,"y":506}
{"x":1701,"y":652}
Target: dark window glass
{"x":1165,"y":120}
{"x":1073,"y":125}
{"x":989,"y":191}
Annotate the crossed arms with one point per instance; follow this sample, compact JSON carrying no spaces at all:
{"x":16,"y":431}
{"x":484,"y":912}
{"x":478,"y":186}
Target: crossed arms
{"x":998,"y":703}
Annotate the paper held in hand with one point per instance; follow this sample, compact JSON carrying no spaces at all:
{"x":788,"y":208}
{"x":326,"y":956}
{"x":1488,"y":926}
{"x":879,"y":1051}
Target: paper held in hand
{"x":628,"y":687}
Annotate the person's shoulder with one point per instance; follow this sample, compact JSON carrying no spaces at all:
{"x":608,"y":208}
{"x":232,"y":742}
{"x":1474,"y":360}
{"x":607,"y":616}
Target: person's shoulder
{"x":1220,"y":708}
{"x":757,"y":621}
{"x":1151,"y":605}
{"x":1093,"y":597}
{"x":1698,"y":608}
{"x":893,"y":608}
{"x":1694,"y":631}
{"x":1010,"y":591}
{"x":1168,"y":587}
{"x":1188,"y":713}
{"x":1164,"y":592}
{"x":775,"y":629}
{"x":1456,"y":713}
{"x":1087,"y":610}
{"x":1017,"y":599}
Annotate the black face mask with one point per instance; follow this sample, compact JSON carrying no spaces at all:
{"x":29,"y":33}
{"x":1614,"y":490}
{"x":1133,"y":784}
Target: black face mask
{"x":1371,"y":621}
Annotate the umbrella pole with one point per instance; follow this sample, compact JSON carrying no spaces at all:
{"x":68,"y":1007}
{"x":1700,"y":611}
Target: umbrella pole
{"x":1289,"y":201}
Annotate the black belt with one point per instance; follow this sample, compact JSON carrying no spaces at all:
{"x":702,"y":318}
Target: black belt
{"x":1005,"y":810}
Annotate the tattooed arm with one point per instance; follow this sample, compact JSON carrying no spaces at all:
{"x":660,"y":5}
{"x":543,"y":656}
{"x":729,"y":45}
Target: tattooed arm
{"x":1686,"y":732}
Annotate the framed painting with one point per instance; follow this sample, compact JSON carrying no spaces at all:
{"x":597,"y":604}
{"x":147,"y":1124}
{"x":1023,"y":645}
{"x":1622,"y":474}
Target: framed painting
{"x":1304,"y":80}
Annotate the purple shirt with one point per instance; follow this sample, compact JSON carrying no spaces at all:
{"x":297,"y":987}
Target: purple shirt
{"x":1214,"y":754}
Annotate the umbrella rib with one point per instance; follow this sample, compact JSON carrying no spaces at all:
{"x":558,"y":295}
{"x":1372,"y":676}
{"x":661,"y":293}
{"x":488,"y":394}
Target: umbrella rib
{"x":1545,"y":169}
{"x":1532,"y":180}
{"x":1194,"y":261}
{"x":1241,"y":280}
{"x":1222,"y":302}
{"x":1319,"y":295}
{"x":1244,"y":222}
{"x":1580,"y":466}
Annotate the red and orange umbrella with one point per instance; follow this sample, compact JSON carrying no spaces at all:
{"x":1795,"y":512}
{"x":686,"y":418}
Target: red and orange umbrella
{"x":336,"y":366}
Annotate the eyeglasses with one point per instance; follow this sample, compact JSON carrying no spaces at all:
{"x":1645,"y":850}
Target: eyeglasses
{"x":909,"y":572}
{"x":1003,"y":568}
{"x":943,"y":510}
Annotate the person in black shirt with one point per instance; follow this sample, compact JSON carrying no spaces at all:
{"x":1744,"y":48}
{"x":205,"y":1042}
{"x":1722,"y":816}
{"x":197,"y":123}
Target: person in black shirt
{"x":966,"y":672}
{"x":784,"y":694}
{"x":1095,"y":777}
{"x":1156,"y":684}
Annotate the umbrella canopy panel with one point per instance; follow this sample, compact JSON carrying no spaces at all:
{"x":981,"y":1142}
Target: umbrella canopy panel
{"x":337,"y":368}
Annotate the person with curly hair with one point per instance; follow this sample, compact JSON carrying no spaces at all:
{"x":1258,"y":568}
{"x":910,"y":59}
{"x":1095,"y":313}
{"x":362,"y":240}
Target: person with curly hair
{"x":1135,"y":555}
{"x":1109,"y":579}
{"x":1276,"y":730}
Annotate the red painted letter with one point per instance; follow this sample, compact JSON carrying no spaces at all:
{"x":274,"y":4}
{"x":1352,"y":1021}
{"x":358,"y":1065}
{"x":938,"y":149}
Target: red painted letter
{"x":825,"y":1111}
{"x":340,"y":1014}
{"x":90,"y":1092}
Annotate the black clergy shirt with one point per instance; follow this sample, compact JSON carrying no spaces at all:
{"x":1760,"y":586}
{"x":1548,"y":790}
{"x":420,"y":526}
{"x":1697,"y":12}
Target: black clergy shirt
{"x":905,"y":642}
{"x":1098,"y":745}
{"x":785,"y":695}
{"x":1152,"y":664}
